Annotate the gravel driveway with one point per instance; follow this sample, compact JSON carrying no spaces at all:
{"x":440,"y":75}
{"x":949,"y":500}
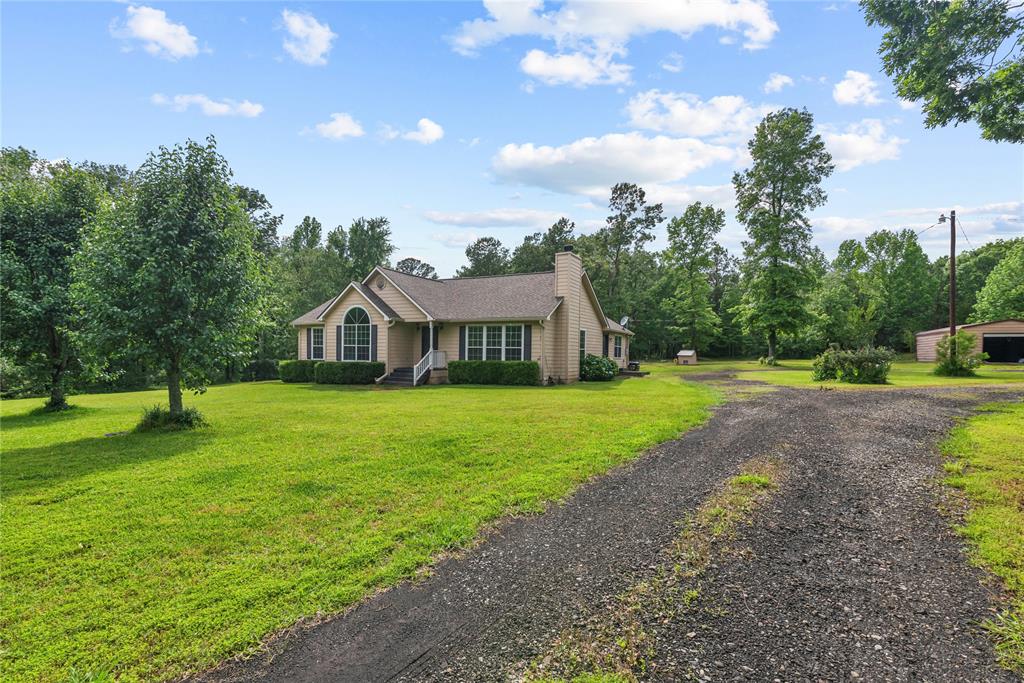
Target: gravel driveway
{"x":853,"y":573}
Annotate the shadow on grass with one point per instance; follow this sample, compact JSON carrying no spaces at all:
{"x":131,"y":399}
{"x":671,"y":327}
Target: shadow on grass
{"x":29,"y":469}
{"x":42,"y":417}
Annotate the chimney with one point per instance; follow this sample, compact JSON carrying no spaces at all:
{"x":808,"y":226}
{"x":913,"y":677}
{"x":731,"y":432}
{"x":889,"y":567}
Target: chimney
{"x":569,"y":286}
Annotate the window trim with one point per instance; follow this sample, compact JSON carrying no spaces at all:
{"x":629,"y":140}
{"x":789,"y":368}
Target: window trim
{"x":313,"y":344}
{"x":583,"y":347}
{"x":618,"y":346}
{"x":356,"y":346}
{"x":504,"y":341}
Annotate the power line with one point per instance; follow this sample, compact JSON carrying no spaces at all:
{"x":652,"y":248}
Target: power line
{"x":960,"y":223}
{"x":927,"y":229}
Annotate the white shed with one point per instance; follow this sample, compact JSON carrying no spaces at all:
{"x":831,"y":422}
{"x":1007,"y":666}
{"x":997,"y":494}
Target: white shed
{"x":686,"y":357}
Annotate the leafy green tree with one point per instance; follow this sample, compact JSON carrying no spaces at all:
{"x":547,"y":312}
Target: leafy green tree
{"x":972,"y":269}
{"x":630,"y":226}
{"x":964,"y":60}
{"x":307,"y":235}
{"x":691,"y":242}
{"x":902,"y":282}
{"x":44,"y":209}
{"x":537,"y":252}
{"x":486,"y":256}
{"x":369,"y":245}
{"x":773,"y":198}
{"x":262,"y":217}
{"x":414,"y":266}
{"x":1003,"y":293}
{"x":168,"y":273}
{"x":726,"y":292}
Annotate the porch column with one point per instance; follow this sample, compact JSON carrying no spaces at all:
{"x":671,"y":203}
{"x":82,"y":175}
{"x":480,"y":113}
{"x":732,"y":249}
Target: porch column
{"x":430,"y":341}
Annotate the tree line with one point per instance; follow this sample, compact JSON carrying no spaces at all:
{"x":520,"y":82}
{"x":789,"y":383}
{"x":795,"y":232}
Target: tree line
{"x":113,"y":279}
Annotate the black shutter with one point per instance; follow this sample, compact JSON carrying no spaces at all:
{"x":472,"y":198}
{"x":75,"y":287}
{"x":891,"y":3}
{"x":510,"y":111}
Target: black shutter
{"x":462,"y":342}
{"x":337,"y":343}
{"x":373,"y":343}
{"x":605,"y":346}
{"x":527,"y":342}
{"x":309,"y":343}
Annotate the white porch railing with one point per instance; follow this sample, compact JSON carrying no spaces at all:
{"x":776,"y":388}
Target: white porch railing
{"x":421,"y":368}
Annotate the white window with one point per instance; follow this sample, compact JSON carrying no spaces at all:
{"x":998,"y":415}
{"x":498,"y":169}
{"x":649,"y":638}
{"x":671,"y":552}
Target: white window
{"x":494,"y":342}
{"x":618,"y":346}
{"x":355,"y":335}
{"x":318,"y":344}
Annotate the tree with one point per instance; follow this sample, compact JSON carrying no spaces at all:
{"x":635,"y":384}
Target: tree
{"x":307,"y":235}
{"x":537,"y":252}
{"x":168,"y":272}
{"x":369,"y":244}
{"x":902,"y":284}
{"x":43,"y":209}
{"x":414,"y":266}
{"x":691,"y":239}
{"x":1003,"y":293}
{"x":262,"y":218}
{"x":773,"y":198}
{"x":630,"y":226}
{"x":963,"y":60}
{"x":486,"y":257}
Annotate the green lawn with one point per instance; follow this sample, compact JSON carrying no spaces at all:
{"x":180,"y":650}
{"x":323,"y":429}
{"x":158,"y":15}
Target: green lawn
{"x":151,"y":555}
{"x":797,"y":373}
{"x":987,"y":463}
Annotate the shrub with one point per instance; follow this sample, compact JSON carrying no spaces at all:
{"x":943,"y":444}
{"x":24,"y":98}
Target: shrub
{"x":360,"y":372}
{"x":296,"y":370}
{"x":958,"y":359}
{"x":516,"y":372}
{"x":256,"y":370}
{"x":159,"y":417}
{"x":767,"y":360}
{"x":868,"y":365}
{"x":598,"y":368}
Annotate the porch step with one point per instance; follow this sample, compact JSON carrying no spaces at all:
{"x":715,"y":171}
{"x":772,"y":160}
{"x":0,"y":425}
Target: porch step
{"x":399,"y":377}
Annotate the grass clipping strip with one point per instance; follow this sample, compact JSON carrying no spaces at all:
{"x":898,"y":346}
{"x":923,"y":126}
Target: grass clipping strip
{"x":615,"y":643}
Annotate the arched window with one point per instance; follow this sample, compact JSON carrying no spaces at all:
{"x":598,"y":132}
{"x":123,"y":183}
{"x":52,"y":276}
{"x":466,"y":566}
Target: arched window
{"x":355,"y":335}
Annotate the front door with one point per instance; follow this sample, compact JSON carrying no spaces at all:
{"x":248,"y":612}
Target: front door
{"x":425,"y":340}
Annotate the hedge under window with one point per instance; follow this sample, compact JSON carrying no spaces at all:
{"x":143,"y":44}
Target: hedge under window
{"x":318,"y":343}
{"x":494,"y":342}
{"x":355,"y":335}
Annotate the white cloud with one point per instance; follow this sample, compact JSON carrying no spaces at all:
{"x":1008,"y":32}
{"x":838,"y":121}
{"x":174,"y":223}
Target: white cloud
{"x":578,"y":69}
{"x":455,"y":239}
{"x":494,"y":218}
{"x":861,"y":143}
{"x":592,"y":165}
{"x":309,"y":41}
{"x":856,"y":88}
{"x":590,"y":35}
{"x":776,"y":82}
{"x":160,"y":37}
{"x":427,"y":132}
{"x":907,"y":105}
{"x":339,"y":127}
{"x":686,"y":114}
{"x":673,"y":63}
{"x":677,"y":197}
{"x":209,"y":107}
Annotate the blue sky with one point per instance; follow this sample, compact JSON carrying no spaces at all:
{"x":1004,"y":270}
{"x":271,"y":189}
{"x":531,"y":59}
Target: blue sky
{"x":458,"y":120}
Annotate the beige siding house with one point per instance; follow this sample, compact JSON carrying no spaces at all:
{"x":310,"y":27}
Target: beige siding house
{"x":1002,"y":340}
{"x":416,"y":325}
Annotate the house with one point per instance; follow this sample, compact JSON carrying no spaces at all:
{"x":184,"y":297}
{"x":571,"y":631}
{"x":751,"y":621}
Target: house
{"x":415,"y":325}
{"x":686,"y":357}
{"x":1002,"y":340}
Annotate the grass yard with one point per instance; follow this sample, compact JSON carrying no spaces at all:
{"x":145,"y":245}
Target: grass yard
{"x":152,"y":555}
{"x":797,"y":373}
{"x":987,"y":463}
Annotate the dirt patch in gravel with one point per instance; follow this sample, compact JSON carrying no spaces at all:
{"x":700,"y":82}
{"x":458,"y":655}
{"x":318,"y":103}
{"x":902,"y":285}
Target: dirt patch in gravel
{"x":851,"y":570}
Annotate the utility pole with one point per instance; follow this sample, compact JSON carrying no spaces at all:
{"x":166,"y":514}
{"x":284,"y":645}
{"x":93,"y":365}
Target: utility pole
{"x":952,"y":278}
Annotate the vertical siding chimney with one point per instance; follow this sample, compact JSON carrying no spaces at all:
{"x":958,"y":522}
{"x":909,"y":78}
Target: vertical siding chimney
{"x":568,"y":285}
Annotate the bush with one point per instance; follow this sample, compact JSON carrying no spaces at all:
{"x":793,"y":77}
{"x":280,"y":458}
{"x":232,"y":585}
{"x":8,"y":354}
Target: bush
{"x":868,"y":365}
{"x":958,"y":359}
{"x":159,"y":417}
{"x":767,"y":360}
{"x":360,"y":372}
{"x":256,"y":370}
{"x":598,"y":368}
{"x":296,"y":370}
{"x":512,"y":372}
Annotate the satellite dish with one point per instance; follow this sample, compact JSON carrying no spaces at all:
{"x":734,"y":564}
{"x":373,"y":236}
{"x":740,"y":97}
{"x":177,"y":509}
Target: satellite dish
{"x":624,"y":320}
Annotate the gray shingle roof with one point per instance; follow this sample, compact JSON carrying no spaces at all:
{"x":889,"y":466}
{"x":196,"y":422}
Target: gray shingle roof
{"x":615,"y":327}
{"x":312,"y":317}
{"x":526,"y":296}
